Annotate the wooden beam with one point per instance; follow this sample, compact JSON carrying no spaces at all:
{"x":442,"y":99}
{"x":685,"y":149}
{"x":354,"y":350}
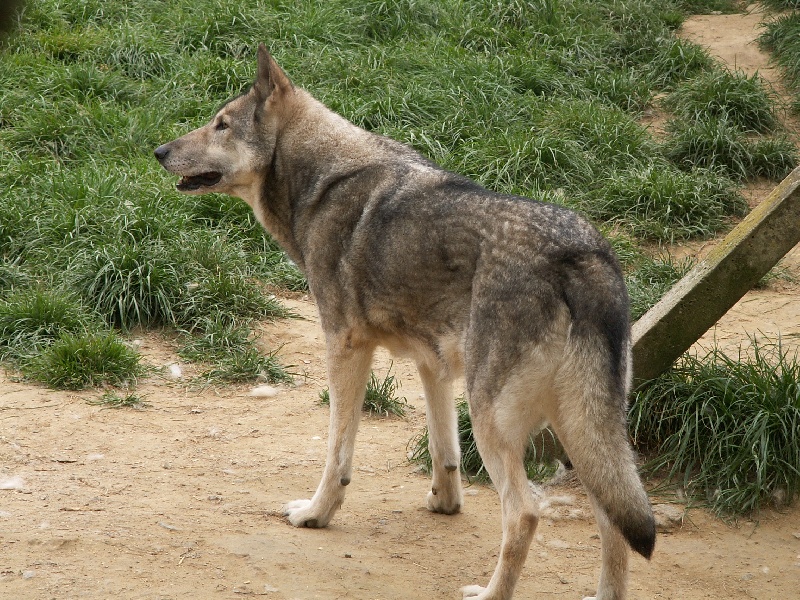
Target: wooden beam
{"x":719,"y":281}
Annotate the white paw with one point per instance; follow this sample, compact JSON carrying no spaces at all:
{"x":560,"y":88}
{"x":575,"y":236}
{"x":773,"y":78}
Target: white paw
{"x":302,"y":514}
{"x":473,"y":591}
{"x":439,"y":503}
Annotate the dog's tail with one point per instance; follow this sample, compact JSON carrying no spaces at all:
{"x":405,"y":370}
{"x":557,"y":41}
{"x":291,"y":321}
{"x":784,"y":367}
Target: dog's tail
{"x":592,"y":426}
{"x":593,"y":384}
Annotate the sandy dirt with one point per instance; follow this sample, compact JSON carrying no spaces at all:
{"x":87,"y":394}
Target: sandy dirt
{"x":183,"y":499}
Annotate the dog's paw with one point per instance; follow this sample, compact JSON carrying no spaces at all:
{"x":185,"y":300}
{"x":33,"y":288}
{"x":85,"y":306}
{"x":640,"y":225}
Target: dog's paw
{"x":473,"y":591}
{"x":441,"y":503}
{"x":301,"y":513}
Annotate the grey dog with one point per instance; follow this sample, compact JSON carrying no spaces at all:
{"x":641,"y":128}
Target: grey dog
{"x":524,"y":299}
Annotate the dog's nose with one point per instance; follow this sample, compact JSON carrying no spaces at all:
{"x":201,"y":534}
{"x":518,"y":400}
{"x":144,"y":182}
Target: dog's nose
{"x":161,"y":152}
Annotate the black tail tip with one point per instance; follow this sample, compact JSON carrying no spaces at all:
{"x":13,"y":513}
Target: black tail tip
{"x":642,"y":538}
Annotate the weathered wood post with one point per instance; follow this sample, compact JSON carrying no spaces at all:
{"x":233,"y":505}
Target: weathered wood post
{"x":716,"y":283}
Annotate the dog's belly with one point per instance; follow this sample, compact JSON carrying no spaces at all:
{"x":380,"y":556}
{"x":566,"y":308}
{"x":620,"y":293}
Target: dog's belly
{"x":445,"y":357}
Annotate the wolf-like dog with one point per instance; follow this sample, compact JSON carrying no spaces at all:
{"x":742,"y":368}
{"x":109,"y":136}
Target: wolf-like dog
{"x":525,"y":299}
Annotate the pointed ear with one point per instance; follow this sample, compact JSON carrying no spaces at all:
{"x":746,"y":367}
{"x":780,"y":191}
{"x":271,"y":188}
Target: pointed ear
{"x":270,"y":76}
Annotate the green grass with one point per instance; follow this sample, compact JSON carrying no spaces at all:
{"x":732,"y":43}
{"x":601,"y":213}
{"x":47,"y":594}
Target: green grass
{"x":781,"y":37}
{"x":230,"y":347}
{"x":701,"y":7}
{"x":32,"y":319}
{"x":781,"y":5}
{"x":381,"y":396}
{"x":245,"y":366}
{"x":662,"y":202}
{"x":746,"y":102}
{"x":725,"y":428}
{"x":77,"y":361}
{"x":718,"y":144}
{"x":536,"y":98}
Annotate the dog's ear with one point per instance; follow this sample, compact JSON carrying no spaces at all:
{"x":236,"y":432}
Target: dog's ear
{"x":270,"y":76}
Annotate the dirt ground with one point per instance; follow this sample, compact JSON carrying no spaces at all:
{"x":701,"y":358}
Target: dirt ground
{"x":183,"y":499}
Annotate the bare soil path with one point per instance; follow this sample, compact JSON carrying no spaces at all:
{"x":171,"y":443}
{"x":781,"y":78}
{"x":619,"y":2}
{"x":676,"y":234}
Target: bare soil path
{"x":182,"y":500}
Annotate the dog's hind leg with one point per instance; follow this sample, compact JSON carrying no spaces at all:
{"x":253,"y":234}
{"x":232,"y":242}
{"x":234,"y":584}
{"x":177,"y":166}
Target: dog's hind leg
{"x":501,"y":442}
{"x":348,"y":373}
{"x":614,"y":571}
{"x":445,"y":495}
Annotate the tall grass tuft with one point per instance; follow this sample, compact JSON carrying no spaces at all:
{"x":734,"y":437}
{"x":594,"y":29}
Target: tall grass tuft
{"x":247,"y":365}
{"x":726,"y":429}
{"x":717,"y":143}
{"x":781,"y":37}
{"x":746,"y":102}
{"x":77,"y":361}
{"x":32,"y":319}
{"x":663,"y":203}
{"x":229,"y":346}
{"x":780,"y":5}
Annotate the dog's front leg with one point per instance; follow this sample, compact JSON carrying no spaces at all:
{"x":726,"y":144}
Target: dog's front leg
{"x":445,"y":495}
{"x":348,"y":372}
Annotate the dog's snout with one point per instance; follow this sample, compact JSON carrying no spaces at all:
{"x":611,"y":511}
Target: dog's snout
{"x":161,"y":152}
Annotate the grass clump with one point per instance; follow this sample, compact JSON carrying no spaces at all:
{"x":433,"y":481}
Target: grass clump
{"x":702,"y":7}
{"x":746,"y":103}
{"x":230,"y":348}
{"x":716,"y":143}
{"x":32,"y":319}
{"x":726,"y":429}
{"x":538,"y":457}
{"x":781,"y":4}
{"x":78,"y":361}
{"x":380,"y":398}
{"x":661,"y":202}
{"x":781,"y":37}
{"x":247,"y":365}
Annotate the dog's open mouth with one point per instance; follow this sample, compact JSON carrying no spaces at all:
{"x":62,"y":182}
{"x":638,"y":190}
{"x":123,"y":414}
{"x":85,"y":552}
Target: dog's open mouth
{"x":195,"y":182}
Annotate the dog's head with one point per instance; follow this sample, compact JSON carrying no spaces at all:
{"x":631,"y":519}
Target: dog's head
{"x":232,"y":152}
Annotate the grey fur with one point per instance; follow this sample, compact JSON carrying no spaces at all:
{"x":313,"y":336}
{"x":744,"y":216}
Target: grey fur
{"x":524,"y":298}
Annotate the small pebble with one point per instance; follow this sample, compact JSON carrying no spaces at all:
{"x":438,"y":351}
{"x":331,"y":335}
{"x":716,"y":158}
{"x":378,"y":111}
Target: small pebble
{"x":264,"y":391}
{"x":12,"y":483}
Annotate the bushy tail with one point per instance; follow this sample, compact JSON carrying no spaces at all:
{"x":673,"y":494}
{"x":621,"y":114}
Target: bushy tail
{"x":592,"y":426}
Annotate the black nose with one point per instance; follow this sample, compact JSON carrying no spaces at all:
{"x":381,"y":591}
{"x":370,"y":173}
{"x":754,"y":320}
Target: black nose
{"x":161,"y":152}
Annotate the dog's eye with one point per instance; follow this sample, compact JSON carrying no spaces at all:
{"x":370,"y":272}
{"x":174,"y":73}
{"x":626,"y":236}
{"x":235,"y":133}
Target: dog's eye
{"x":222,"y":126}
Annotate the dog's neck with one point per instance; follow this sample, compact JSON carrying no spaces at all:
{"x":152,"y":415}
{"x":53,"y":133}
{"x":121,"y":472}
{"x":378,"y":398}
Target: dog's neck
{"x":313,"y":149}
